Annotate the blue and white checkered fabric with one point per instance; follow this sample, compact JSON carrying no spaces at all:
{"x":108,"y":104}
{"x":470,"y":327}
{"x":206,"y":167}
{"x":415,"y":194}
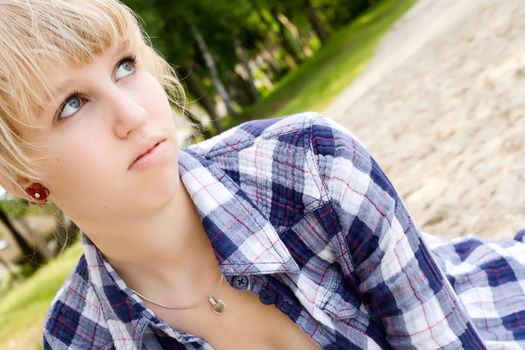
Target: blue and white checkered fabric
{"x":299,"y":211}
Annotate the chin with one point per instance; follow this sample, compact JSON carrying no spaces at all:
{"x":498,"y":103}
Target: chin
{"x":165,"y":188}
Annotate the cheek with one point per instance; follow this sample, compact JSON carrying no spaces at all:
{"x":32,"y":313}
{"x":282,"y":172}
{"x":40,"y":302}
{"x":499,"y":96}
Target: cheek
{"x":157,"y":100}
{"x":74,"y":169}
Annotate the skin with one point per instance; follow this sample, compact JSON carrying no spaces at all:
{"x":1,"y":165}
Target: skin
{"x":143,"y":220}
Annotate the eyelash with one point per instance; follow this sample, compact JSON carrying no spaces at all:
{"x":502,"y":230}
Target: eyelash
{"x":129,"y":57}
{"x":75,"y":94}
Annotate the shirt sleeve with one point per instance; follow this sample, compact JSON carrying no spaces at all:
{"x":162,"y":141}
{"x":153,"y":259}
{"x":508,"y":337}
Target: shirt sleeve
{"x":381,"y":251}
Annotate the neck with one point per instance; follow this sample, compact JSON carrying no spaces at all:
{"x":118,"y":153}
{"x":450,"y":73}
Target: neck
{"x":165,"y":251}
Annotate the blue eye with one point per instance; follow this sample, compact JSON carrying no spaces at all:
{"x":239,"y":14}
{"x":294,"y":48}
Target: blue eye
{"x":75,"y":101}
{"x":125,"y":67}
{"x":70,"y":106}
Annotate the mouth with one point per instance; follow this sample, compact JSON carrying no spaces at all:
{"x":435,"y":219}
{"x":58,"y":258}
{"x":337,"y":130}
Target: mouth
{"x":147,"y":154}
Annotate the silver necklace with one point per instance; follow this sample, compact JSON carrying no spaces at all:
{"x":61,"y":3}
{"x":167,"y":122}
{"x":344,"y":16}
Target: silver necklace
{"x":217,"y":305}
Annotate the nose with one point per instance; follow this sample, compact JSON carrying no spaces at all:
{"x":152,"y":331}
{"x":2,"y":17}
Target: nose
{"x":128,"y":114}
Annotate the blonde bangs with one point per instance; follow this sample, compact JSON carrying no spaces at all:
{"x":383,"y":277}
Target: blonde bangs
{"x":43,"y":34}
{"x":39,"y":35}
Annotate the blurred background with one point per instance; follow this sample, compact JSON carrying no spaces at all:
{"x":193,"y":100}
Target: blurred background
{"x":434,"y":88}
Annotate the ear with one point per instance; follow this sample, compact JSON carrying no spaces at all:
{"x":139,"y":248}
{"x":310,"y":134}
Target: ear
{"x":15,"y":190}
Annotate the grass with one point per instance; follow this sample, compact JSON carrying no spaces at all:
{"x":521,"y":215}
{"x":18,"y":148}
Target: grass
{"x":23,"y":309}
{"x":310,"y":87}
{"x":318,"y":81}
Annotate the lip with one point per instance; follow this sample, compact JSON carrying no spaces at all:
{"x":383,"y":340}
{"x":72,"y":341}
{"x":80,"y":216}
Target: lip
{"x":148,"y":153}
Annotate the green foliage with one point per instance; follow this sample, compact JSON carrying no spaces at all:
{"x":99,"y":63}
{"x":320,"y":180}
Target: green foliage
{"x":19,"y":207}
{"x":257,"y":24}
{"x":341,"y":12}
{"x":23,"y":309}
{"x":27,"y":270}
{"x":319,"y":80}
{"x":310,"y":87}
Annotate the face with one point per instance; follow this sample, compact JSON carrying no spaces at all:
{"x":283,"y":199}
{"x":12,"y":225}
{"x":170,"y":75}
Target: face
{"x":107,"y":143}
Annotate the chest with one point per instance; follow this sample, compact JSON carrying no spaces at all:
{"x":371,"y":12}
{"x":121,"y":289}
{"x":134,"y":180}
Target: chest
{"x":246,"y":323}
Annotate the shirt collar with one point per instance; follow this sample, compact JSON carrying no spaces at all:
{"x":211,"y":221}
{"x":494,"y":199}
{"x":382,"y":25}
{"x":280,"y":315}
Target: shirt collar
{"x":244,"y":241}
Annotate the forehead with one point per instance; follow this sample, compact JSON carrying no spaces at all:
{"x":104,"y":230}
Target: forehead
{"x":60,"y":77}
{"x":39,"y":40}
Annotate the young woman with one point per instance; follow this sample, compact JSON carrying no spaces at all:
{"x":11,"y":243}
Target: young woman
{"x":278,"y":234}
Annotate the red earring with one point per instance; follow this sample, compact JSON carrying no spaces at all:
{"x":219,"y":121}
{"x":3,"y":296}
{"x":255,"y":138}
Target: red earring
{"x":38,"y":192}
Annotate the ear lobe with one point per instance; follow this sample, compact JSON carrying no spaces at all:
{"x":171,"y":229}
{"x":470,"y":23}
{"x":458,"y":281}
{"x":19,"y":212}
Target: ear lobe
{"x":38,"y":193}
{"x":25,"y":188}
{"x":15,"y":190}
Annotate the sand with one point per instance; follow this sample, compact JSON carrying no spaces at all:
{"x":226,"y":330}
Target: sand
{"x":442,"y":108}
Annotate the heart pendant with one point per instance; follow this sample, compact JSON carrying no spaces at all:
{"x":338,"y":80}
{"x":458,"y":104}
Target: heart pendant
{"x":217,"y":305}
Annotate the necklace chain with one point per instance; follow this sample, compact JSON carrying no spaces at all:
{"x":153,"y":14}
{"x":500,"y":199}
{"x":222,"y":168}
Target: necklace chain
{"x":217,"y":304}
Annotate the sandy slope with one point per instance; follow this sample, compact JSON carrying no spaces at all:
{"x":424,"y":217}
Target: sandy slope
{"x":442,"y":107}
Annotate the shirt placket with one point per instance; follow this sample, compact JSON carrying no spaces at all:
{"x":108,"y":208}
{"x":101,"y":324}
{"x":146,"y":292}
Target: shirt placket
{"x":271,"y":291}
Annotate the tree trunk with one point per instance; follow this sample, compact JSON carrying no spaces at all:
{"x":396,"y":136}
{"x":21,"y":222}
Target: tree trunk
{"x":241,"y":53}
{"x":193,"y":82}
{"x":278,"y":43}
{"x":239,"y":87}
{"x":30,"y":254}
{"x":285,"y":42}
{"x":22,"y":226}
{"x":66,"y":231}
{"x":269,"y":59}
{"x":296,"y":34}
{"x":317,"y":25}
{"x":212,"y":67}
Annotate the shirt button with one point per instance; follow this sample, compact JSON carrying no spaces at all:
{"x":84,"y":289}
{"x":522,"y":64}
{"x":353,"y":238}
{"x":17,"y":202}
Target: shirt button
{"x":331,"y":347}
{"x":286,"y":306}
{"x":240,"y":282}
{"x":267,"y":297}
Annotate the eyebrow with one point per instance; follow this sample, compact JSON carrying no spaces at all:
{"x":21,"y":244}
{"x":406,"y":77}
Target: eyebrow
{"x":124,"y":46}
{"x":62,"y":88}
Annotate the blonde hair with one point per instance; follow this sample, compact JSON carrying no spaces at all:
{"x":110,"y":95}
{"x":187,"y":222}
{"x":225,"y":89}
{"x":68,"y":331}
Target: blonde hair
{"x":35,"y":34}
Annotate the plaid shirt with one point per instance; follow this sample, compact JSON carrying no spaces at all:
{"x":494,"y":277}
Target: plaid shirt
{"x":300,"y":214}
